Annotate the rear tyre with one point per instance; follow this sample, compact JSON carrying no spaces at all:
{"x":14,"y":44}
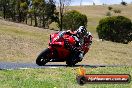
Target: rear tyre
{"x":43,"y":57}
{"x":70,"y":63}
{"x":72,"y":60}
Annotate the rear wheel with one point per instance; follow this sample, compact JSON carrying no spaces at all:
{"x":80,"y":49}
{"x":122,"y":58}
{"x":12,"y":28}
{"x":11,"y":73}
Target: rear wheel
{"x":43,"y":57}
{"x":72,"y":60}
{"x":70,"y":63}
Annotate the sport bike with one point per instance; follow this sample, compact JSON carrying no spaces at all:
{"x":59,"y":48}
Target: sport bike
{"x":57,"y":51}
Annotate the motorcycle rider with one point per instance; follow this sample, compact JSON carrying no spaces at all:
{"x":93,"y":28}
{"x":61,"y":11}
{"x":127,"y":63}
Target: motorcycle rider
{"x":83,"y":40}
{"x":87,"y":42}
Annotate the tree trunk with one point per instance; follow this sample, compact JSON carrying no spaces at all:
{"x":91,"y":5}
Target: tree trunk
{"x":31,"y":20}
{"x":35,"y":18}
{"x":40,"y":21}
{"x":26,"y":19}
{"x":43,"y":25}
{"x":61,"y":22}
{"x":4,"y":11}
{"x":14,"y":15}
{"x":61,"y":14}
{"x":19,"y":12}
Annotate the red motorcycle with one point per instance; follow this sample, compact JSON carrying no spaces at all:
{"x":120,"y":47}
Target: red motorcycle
{"x":56,"y":52}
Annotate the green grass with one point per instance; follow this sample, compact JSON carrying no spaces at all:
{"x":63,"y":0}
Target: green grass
{"x":58,"y":77}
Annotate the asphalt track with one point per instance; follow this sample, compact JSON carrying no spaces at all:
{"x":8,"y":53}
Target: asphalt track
{"x":14,"y":65}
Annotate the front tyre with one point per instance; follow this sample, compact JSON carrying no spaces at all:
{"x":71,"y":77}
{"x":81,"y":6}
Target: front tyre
{"x":43,"y":57}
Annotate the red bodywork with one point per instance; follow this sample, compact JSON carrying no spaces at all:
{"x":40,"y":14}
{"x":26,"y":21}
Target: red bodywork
{"x":58,"y":50}
{"x":56,"y":45}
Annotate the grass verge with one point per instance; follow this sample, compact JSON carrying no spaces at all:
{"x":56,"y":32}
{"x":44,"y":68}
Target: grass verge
{"x":57,"y":78}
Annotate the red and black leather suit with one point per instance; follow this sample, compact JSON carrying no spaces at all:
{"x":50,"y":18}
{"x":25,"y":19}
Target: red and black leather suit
{"x":80,"y":46}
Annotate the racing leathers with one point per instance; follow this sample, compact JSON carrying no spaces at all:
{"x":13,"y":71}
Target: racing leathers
{"x":87,"y":42}
{"x":77,"y":46}
{"x":81,"y":46}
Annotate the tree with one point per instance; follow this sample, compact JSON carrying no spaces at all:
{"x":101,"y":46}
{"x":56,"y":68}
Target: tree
{"x":73,"y":19}
{"x":0,"y":7}
{"x":117,"y":11}
{"x":9,"y":9}
{"x":4,"y":6}
{"x":44,"y":11}
{"x":13,"y":10}
{"x":115,"y":29}
{"x":41,"y":11}
{"x":108,"y":14}
{"x":51,"y":12}
{"x":110,"y":8}
{"x":62,"y":5}
{"x":35,"y":7}
{"x":123,"y":3}
{"x":24,"y":10}
{"x":30,"y":14}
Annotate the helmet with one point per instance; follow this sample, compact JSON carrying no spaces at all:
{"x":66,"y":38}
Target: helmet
{"x":81,"y":32}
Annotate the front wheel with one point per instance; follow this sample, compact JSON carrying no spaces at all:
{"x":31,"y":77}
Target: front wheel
{"x":43,"y":57}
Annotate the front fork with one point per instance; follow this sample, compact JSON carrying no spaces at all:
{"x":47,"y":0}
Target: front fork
{"x":54,"y":53}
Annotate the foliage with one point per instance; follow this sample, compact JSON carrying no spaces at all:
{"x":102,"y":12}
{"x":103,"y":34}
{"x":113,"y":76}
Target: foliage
{"x":41,"y":11}
{"x":117,"y":11}
{"x":123,"y":3}
{"x":24,"y":5}
{"x":73,"y":19}
{"x":108,"y":14}
{"x":116,"y":29}
{"x":62,"y":6}
{"x":110,"y":8}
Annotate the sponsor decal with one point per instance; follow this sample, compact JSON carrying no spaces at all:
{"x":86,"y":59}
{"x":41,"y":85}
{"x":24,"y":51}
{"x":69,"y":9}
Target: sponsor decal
{"x":83,"y":78}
